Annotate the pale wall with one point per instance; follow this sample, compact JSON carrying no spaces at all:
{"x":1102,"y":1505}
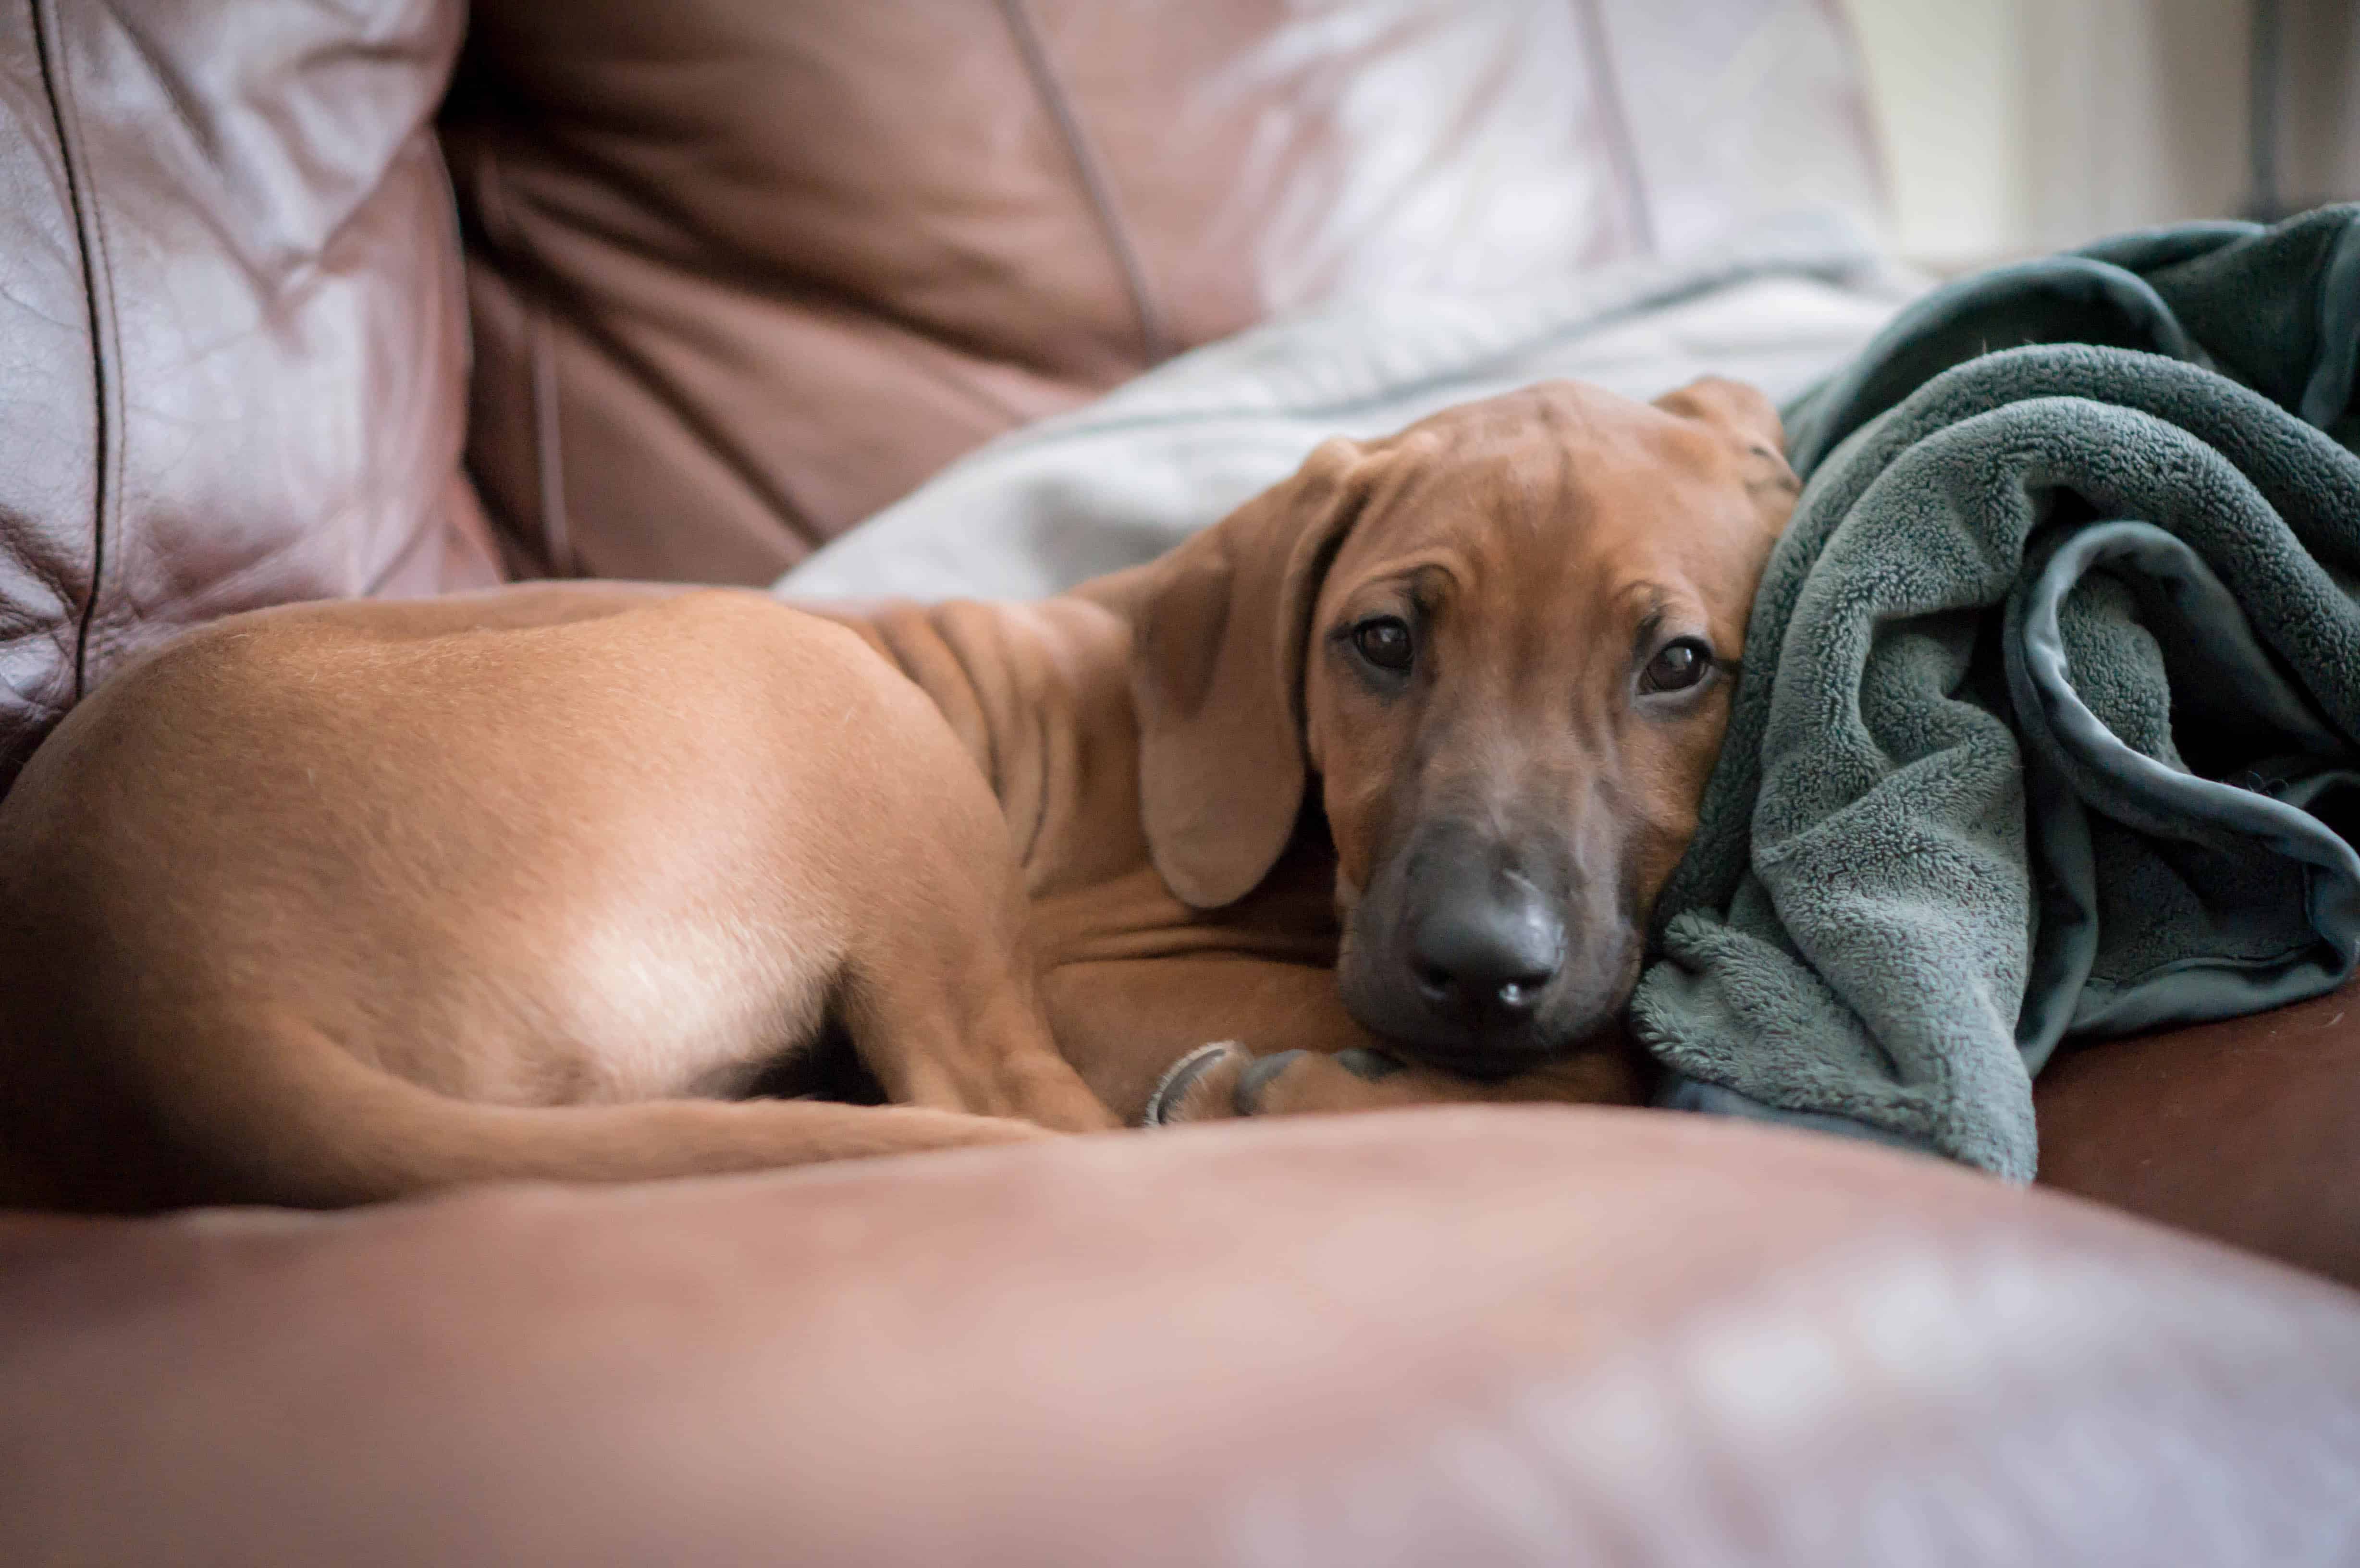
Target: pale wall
{"x":2015,"y":125}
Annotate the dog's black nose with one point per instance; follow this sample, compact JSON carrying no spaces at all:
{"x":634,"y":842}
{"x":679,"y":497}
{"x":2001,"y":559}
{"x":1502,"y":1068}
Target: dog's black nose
{"x":1489,"y":949}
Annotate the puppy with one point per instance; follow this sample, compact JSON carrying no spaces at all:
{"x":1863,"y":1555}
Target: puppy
{"x":334,"y":903}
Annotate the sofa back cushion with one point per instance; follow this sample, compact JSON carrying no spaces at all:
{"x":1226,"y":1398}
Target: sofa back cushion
{"x":233,"y":339}
{"x":744,"y":271}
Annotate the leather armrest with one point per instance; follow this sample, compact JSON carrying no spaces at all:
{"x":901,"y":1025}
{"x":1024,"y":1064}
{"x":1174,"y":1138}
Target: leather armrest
{"x":1473,"y":1335}
{"x":2247,"y":1131}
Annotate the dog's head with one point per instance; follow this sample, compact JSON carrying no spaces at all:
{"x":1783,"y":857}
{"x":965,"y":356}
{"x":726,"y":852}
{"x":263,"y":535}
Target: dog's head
{"x":1505,"y":641}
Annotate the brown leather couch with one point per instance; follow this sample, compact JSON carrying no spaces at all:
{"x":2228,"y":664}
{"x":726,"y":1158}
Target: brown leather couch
{"x":737,"y":274}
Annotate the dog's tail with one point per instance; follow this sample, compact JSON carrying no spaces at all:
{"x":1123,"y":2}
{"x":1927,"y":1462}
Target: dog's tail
{"x":300,"y":1122}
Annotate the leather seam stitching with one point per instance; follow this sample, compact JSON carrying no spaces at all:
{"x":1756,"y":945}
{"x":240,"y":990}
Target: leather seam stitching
{"x":662,"y":391}
{"x":549,"y":444}
{"x":435,"y":515}
{"x":1865,"y":130}
{"x":22,"y":622}
{"x":541,"y":372}
{"x":98,"y":298}
{"x":1155,"y":341}
{"x":1622,"y":142}
{"x":547,"y":301}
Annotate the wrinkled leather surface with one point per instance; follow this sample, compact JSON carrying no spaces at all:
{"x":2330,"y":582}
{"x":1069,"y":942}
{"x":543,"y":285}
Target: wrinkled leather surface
{"x":49,"y":440}
{"x":236,"y":345}
{"x":1471,"y":1336}
{"x":2246,"y":1130}
{"x":746,"y":270}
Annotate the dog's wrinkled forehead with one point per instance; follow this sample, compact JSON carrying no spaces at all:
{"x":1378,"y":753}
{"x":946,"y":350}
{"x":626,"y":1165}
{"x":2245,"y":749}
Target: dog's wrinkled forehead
{"x":1556,"y":474}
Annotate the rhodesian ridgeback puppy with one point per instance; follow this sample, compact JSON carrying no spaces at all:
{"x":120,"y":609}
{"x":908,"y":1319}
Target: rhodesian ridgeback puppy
{"x":1376,"y":779}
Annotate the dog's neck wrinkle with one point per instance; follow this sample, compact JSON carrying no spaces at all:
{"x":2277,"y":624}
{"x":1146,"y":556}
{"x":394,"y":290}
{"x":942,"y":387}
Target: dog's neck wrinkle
{"x":1040,"y":697}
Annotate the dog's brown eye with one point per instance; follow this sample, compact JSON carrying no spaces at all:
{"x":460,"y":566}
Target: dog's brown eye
{"x":1385,"y":642}
{"x":1681,"y":664}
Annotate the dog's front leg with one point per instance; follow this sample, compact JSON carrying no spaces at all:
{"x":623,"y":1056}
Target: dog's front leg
{"x":1223,"y":1081}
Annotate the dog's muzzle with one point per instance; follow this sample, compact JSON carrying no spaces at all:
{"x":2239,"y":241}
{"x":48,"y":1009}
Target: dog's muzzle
{"x":1467,"y":955}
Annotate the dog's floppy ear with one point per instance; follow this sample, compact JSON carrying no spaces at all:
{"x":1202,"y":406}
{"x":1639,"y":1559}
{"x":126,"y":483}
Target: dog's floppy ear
{"x":1218,"y":646}
{"x":1745,"y":417}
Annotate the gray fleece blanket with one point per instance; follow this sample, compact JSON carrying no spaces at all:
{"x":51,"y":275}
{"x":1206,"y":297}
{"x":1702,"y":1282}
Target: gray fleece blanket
{"x":2050,"y":726}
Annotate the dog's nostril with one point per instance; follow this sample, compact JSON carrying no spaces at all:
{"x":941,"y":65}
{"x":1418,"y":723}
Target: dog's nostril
{"x":1486,"y":957}
{"x":1506,"y":993}
{"x":1519,"y":993}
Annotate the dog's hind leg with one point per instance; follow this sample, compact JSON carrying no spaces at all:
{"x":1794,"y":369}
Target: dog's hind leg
{"x":938,"y":989}
{"x":300,"y":1121}
{"x":1005,"y":1063}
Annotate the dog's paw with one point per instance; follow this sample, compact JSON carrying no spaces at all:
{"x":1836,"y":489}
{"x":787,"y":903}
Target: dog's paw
{"x":1199,"y":1087}
{"x":1219,"y":1082}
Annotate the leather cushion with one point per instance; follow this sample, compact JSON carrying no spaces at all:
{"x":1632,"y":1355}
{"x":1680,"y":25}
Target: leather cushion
{"x":1473,"y":1335}
{"x":236,"y":345}
{"x":746,"y":270}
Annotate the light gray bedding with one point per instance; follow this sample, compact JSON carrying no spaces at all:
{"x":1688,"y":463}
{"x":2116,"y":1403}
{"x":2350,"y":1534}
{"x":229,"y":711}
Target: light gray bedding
{"x":1125,"y":478}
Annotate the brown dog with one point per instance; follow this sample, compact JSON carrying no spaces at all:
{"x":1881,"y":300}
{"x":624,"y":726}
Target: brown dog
{"x":337,"y":902}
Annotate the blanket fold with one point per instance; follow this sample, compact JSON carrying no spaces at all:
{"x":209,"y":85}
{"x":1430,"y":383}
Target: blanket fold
{"x":2061,"y":738}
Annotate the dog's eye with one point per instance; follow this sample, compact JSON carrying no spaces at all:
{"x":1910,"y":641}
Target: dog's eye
{"x":1681,"y":664}
{"x":1384,"y":641}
